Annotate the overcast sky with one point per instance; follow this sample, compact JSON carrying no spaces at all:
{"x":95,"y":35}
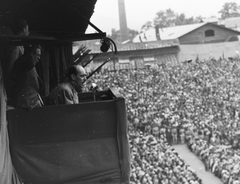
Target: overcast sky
{"x":138,"y":12}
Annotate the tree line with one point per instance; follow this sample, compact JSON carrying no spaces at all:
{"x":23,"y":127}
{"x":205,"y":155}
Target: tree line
{"x":169,"y":18}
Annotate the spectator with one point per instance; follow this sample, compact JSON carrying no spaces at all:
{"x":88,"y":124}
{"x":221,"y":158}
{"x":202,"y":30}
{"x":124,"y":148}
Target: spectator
{"x":20,"y":28}
{"x":197,"y":103}
{"x":26,"y":80}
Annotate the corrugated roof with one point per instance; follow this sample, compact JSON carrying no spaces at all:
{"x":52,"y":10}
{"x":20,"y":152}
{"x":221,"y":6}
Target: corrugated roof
{"x":139,"y":46}
{"x":211,"y":20}
{"x":167,"y":33}
{"x":232,"y":23}
{"x":149,"y":45}
{"x":206,"y":51}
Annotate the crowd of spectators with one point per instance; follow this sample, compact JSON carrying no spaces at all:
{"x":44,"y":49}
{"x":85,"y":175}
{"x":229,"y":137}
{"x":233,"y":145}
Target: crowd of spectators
{"x":155,"y":161}
{"x":194,"y":103}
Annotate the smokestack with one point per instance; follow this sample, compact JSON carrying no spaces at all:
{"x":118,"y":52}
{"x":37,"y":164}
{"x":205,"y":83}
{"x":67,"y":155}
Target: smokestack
{"x":123,"y":21}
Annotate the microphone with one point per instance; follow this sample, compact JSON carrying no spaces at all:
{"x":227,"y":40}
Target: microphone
{"x":94,"y":87}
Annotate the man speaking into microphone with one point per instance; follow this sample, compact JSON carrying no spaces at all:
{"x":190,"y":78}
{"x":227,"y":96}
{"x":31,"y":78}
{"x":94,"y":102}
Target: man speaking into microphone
{"x":67,"y":92}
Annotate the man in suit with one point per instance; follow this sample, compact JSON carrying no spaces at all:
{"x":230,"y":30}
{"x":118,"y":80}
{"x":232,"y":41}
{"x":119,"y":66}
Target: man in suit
{"x":26,"y":80}
{"x":67,"y":92}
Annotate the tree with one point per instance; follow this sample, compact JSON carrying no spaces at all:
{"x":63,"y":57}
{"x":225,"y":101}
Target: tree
{"x":147,"y":26}
{"x":183,"y":20}
{"x":230,"y":9}
{"x":200,"y":18}
{"x":165,"y":18}
{"x":169,"y":18}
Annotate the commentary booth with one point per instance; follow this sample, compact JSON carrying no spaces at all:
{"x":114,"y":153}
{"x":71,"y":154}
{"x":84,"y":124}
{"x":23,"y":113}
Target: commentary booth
{"x":65,"y":144}
{"x":83,"y":143}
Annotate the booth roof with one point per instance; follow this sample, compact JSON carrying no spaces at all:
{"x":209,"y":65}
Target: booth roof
{"x":54,"y":18}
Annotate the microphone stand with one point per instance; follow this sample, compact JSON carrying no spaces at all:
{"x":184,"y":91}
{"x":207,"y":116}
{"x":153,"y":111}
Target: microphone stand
{"x":94,"y":89}
{"x":91,"y":74}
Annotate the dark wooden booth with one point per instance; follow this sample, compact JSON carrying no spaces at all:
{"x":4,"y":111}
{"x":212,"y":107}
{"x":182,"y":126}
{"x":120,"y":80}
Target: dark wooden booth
{"x":83,"y":143}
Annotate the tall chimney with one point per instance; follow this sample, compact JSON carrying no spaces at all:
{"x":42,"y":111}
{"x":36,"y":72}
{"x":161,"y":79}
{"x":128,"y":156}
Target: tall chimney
{"x":123,"y":21}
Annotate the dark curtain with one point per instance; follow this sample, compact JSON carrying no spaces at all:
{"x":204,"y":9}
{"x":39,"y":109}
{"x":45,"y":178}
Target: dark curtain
{"x":52,"y":68}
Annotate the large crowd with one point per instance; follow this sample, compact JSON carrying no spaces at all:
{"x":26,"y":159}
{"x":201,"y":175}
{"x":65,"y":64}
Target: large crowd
{"x":194,"y":103}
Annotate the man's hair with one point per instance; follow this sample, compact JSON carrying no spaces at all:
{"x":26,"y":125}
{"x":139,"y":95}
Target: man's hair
{"x":72,"y":70}
{"x":28,"y":49}
{"x":19,"y":26}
